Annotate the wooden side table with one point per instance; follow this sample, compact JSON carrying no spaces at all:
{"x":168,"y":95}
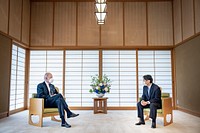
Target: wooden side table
{"x":100,"y":105}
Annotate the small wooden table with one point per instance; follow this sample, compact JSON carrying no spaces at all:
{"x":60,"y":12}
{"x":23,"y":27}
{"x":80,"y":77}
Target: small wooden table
{"x":100,"y":105}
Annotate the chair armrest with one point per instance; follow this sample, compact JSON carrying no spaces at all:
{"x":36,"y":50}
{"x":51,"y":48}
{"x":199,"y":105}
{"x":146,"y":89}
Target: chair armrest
{"x":36,"y":106}
{"x":167,"y":105}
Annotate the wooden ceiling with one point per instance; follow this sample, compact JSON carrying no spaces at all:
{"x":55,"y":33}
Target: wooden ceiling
{"x":94,"y":0}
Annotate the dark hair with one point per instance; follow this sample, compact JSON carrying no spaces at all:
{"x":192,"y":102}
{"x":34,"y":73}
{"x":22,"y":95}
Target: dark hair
{"x":148,"y":77}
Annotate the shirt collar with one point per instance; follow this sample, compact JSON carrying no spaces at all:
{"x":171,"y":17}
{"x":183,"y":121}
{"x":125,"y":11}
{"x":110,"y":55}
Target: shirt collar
{"x":149,"y":86}
{"x":46,"y":82}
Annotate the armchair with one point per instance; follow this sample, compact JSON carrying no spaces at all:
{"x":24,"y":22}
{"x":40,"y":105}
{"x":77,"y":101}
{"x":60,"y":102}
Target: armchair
{"x":166,"y":109}
{"x":37,"y":108}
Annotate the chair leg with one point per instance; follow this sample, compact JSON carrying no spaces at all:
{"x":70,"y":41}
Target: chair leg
{"x":165,"y":119}
{"x":39,"y":124}
{"x":147,"y":117}
{"x":30,"y":120}
{"x":40,"y":120}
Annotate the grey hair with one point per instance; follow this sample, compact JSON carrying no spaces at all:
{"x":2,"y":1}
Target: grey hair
{"x":46,"y":75}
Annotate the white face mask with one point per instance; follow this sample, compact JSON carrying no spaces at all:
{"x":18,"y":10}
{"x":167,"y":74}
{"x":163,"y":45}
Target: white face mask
{"x":51,"y":80}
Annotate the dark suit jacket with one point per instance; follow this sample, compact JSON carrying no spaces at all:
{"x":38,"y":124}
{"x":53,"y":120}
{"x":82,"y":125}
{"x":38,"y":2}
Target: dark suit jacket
{"x":155,"y":94}
{"x":43,"y":92}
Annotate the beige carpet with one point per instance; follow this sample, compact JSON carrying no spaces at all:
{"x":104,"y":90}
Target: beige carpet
{"x":113,"y":122}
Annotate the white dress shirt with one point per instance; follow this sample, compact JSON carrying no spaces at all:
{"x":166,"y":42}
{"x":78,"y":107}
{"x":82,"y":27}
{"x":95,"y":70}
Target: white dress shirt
{"x":48,"y":88}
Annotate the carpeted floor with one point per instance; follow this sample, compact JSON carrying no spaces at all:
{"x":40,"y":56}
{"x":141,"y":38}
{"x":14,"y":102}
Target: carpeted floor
{"x":113,"y":122}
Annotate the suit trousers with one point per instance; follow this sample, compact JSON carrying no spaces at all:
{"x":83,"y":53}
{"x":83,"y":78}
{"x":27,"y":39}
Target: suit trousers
{"x":153,"y":110}
{"x":57,"y":101}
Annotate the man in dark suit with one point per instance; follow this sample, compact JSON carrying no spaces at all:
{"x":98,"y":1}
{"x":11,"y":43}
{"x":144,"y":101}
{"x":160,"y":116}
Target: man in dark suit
{"x":151,"y":98}
{"x":52,"y":98}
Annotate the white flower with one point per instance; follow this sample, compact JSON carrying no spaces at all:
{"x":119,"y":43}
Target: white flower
{"x":100,"y":84}
{"x":106,"y":89}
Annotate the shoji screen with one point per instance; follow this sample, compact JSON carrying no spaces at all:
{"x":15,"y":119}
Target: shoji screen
{"x":80,"y":66}
{"x":17,"y":78}
{"x":158,"y":64}
{"x":42,"y":62}
{"x":120,"y":67}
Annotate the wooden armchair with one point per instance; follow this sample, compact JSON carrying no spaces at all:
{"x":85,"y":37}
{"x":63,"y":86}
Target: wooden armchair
{"x":166,"y":109}
{"x":37,"y":108}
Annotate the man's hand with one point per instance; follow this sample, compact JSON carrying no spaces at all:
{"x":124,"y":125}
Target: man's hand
{"x":144,"y":103}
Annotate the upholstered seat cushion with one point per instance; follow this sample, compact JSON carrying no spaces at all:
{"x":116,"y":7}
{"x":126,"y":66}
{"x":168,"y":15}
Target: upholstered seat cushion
{"x":164,"y":95}
{"x":50,"y":110}
{"x":34,"y":95}
{"x":158,"y":110}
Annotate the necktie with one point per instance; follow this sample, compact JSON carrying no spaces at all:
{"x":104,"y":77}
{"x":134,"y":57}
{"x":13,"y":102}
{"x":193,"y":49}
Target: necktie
{"x":149,"y":91}
{"x":51,"y":90}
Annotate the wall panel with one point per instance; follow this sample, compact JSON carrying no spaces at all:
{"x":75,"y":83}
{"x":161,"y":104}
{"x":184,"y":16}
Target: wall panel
{"x":41,"y":23}
{"x":187,"y":18}
{"x":197,"y":15}
{"x":187,"y":70}
{"x":4,"y":15}
{"x":65,"y":24}
{"x":160,"y":29}
{"x":177,"y":21}
{"x":5,"y":54}
{"x":26,"y":22}
{"x":135,"y":24}
{"x":112,"y":30}
{"x":15,"y":18}
{"x":88,"y":30}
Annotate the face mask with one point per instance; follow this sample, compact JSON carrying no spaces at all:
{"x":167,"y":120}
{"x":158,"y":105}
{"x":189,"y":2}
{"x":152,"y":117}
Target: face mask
{"x":51,"y":80}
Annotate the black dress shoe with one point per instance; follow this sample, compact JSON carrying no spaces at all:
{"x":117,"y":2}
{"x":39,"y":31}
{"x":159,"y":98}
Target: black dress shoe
{"x":140,"y":123}
{"x":72,"y":115}
{"x":153,"y":125}
{"x":66,"y":125}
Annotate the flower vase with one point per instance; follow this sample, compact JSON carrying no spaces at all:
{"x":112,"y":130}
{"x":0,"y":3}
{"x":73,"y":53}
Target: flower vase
{"x":100,"y":95}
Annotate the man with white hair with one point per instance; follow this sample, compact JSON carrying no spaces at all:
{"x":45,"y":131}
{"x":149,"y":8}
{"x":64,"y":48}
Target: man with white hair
{"x":52,"y":98}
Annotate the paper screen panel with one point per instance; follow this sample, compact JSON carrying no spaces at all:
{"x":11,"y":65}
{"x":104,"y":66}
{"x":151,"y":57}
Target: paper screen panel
{"x":177,"y":22}
{"x":65,"y":24}
{"x":4,"y":15}
{"x":112,"y":30}
{"x":88,"y":29}
{"x":15,"y":18}
{"x":187,"y":18}
{"x":135,"y":24}
{"x":160,"y":31}
{"x":41,"y":23}
{"x":26,"y":21}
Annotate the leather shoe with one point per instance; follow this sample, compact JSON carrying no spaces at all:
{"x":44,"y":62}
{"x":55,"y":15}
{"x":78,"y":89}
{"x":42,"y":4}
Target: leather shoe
{"x":72,"y":115}
{"x":66,"y":125}
{"x":153,"y":125}
{"x":140,"y":123}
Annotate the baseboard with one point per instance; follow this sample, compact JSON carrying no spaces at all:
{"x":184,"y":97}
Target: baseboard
{"x":188,"y":111}
{"x":109,"y":108}
{"x":16,"y":111}
{"x":3,"y":115}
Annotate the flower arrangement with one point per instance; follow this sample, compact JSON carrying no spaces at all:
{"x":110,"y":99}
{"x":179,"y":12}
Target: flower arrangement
{"x":100,"y":86}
